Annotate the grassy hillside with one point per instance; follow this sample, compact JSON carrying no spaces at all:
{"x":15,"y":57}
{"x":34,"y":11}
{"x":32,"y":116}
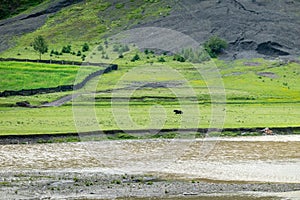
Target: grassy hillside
{"x":87,"y":22}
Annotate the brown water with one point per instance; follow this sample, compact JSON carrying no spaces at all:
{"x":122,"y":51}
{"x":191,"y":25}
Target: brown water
{"x":262,"y":159}
{"x":247,"y":159}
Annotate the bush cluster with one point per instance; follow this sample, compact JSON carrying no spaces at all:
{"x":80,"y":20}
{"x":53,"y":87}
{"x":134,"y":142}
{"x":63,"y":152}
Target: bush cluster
{"x":66,"y":49}
{"x":135,"y":58}
{"x":85,"y":47}
{"x":193,"y":55}
{"x":214,"y":46}
{"x":120,"y":48}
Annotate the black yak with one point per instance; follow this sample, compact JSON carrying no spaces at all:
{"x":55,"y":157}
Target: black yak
{"x":177,"y":112}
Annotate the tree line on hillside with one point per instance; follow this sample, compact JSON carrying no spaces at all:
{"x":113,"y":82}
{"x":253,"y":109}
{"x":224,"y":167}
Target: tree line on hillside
{"x":211,"y":49}
{"x":40,"y":45}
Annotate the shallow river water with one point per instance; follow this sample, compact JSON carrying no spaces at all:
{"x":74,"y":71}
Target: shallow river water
{"x":266,"y":158}
{"x":245,"y":159}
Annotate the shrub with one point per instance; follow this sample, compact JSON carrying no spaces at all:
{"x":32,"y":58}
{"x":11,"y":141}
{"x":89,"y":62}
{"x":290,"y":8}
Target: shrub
{"x":193,"y":55}
{"x":125,"y":48}
{"x":85,"y":47}
{"x":135,"y":58}
{"x":106,"y":43}
{"x":161,"y":59}
{"x":100,"y":48}
{"x":78,"y":53}
{"x":178,"y":58}
{"x":120,"y":48}
{"x":214,"y":46}
{"x":66,"y":49}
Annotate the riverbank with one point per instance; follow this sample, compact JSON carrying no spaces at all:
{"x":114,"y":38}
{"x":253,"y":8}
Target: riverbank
{"x":91,"y":184}
{"x":254,"y":167}
{"x":142,"y":134}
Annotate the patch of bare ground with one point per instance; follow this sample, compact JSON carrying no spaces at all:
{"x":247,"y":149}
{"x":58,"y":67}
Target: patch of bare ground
{"x":268,"y":74}
{"x":252,"y":63}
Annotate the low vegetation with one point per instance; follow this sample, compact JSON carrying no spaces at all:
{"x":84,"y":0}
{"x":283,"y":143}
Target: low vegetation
{"x":255,"y":96}
{"x":17,"y":76}
{"x":215,"y":45}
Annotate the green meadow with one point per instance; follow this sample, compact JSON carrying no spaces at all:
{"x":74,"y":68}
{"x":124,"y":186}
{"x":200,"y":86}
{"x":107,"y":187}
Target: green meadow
{"x":144,"y":93}
{"x":17,"y":76}
{"x":61,"y":119}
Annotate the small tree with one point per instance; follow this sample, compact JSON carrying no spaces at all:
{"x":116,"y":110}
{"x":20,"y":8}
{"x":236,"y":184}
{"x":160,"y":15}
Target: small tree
{"x":161,"y":59}
{"x":135,"y":57}
{"x":179,"y":58}
{"x":215,"y":46}
{"x":39,"y":44}
{"x":85,"y":47}
{"x":66,"y":49}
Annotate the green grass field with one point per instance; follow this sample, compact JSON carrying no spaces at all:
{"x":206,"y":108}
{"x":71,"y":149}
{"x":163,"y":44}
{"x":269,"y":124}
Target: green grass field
{"x":17,"y":76}
{"x":259,"y":93}
{"x":60,"y":119}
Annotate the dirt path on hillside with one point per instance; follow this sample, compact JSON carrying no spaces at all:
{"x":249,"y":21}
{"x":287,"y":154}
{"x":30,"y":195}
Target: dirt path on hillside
{"x":61,"y":101}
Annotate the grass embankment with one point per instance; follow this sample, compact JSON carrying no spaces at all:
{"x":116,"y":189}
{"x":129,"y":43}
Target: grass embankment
{"x":264,"y":95}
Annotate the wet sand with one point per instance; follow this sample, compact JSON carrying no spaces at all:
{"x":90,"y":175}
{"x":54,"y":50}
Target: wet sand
{"x":265,"y":166}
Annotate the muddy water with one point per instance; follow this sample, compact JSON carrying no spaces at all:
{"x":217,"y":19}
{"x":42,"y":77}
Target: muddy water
{"x":259,"y":159}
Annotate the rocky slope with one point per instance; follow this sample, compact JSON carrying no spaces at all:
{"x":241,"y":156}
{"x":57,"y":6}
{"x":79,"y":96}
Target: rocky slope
{"x":252,"y":27}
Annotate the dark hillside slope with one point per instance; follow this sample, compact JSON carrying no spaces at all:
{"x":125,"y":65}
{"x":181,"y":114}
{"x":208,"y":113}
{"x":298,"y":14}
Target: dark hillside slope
{"x":253,"y":27}
{"x":26,"y":23}
{"x":9,"y":8}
